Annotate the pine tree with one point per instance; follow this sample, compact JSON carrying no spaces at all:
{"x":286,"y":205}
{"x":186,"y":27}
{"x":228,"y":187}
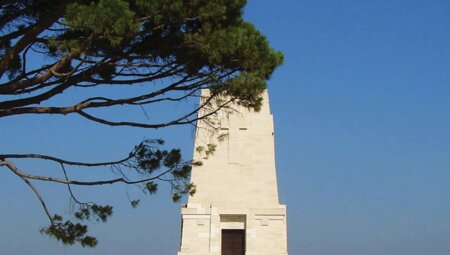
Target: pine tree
{"x":174,"y":48}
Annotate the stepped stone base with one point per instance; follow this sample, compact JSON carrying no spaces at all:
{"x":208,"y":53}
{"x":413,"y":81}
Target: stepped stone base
{"x":265,"y":229}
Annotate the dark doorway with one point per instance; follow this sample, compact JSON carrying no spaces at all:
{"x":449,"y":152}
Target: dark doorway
{"x":233,"y":242}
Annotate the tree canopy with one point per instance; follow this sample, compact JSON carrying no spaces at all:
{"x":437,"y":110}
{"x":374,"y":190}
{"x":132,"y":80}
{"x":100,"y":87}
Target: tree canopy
{"x":173,"y":49}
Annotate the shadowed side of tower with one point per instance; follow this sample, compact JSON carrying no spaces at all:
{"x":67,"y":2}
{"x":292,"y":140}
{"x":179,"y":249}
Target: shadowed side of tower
{"x":235,"y":210}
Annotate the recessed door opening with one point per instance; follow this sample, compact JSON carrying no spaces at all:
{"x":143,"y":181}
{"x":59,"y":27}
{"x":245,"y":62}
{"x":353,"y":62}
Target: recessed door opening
{"x":233,"y":242}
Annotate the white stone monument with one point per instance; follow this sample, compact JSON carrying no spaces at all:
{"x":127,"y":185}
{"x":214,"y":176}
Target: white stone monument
{"x":235,"y":210}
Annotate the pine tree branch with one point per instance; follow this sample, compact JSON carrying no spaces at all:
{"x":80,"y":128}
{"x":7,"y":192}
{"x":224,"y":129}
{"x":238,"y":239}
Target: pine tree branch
{"x":63,"y":161}
{"x":16,"y":87}
{"x":24,"y":175}
{"x":30,"y":36}
{"x":16,"y":171}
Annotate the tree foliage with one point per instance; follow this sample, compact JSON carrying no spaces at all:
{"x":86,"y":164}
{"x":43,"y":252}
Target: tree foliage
{"x":173,"y":49}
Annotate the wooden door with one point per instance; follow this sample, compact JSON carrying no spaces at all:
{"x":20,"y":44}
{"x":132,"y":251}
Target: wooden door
{"x":233,"y":242}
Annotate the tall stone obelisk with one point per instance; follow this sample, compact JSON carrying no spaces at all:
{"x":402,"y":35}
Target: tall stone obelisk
{"x":235,"y":210}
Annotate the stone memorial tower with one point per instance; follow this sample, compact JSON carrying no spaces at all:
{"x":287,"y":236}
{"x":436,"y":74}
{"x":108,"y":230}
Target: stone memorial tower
{"x":235,"y":210}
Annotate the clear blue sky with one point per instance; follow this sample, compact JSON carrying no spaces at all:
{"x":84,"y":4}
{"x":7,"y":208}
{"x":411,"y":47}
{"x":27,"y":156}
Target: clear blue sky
{"x":362,"y":118}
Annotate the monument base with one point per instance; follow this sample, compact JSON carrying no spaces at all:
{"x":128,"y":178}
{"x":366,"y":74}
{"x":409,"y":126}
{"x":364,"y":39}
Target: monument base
{"x":210,"y":230}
